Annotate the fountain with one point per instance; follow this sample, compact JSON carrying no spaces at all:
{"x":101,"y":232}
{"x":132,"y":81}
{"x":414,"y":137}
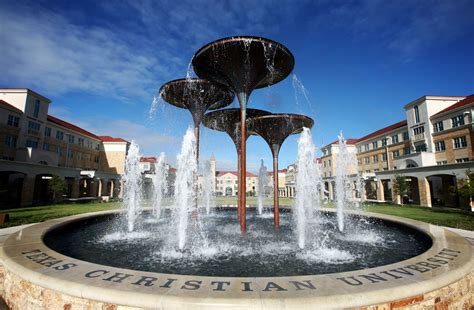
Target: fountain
{"x":208,"y":188}
{"x":228,"y":121}
{"x":105,"y":260}
{"x":198,"y":96}
{"x":262,"y":182}
{"x":274,"y":129}
{"x":160,"y":186}
{"x":132,"y":200}
{"x":243,"y":64}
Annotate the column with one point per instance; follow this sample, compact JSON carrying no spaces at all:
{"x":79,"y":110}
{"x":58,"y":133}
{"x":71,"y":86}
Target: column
{"x":99,"y":187}
{"x":331,"y":191}
{"x":396,"y":199}
{"x":75,"y":188}
{"x":380,"y":193}
{"x":424,"y":190}
{"x":111,"y":193}
{"x":28,"y":190}
{"x":120,"y":195}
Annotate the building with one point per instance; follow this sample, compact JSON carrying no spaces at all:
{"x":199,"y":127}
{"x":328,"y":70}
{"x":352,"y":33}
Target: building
{"x":35,"y":146}
{"x":432,"y":148}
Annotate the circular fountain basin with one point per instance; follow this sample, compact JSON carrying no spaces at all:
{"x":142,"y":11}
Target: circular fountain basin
{"x":42,"y":269}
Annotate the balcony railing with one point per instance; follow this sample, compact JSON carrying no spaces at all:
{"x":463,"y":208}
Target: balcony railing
{"x":419,"y":137}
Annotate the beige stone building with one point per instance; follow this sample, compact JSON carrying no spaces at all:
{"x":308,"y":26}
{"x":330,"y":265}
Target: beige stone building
{"x":35,"y":146}
{"x":432,"y":149}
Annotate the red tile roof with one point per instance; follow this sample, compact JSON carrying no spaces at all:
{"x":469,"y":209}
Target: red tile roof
{"x":71,"y":127}
{"x":148,"y":159}
{"x":383,"y":130}
{"x":348,"y":141}
{"x":221,"y":173}
{"x":6,"y":104}
{"x":468,"y":100}
{"x":111,"y":139}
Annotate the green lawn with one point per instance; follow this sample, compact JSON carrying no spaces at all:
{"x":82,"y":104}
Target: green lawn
{"x":437,"y":216}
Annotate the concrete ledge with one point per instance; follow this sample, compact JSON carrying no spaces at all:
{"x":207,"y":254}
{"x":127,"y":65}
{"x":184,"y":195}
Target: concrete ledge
{"x":36,"y":276}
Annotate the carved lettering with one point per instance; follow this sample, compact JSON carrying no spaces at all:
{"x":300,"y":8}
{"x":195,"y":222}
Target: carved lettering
{"x":418,"y":268}
{"x":351,"y":281}
{"x":65,"y":266}
{"x":147,"y":281}
{"x":220,"y":285}
{"x":300,"y":286}
{"x":272,"y":285}
{"x":96,"y":273}
{"x":372,"y":277}
{"x":118,"y":277}
{"x":168,"y":283}
{"x":247,"y":287}
{"x":191,"y":285}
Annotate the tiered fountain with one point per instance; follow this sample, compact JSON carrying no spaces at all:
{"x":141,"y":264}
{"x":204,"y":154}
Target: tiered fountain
{"x":311,"y":261}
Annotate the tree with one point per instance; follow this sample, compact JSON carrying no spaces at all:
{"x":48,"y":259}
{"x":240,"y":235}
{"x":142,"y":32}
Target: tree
{"x":466,"y":187}
{"x":401,"y":186}
{"x":56,"y":186}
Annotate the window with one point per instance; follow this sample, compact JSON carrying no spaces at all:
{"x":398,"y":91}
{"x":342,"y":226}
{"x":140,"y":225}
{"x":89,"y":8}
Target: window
{"x":367,"y":160}
{"x":13,"y":120}
{"x":385,"y":169}
{"x":367,"y":171}
{"x":359,"y":149}
{"x":396,"y":154}
{"x":384,"y":157}
{"x":324,"y":163}
{"x":33,"y":127}
{"x":418,"y":130}
{"x":59,"y":135}
{"x":460,"y":142}
{"x":89,"y":144}
{"x":420,"y":148}
{"x":376,"y":158}
{"x":407,"y":150}
{"x":440,"y":146}
{"x":37,"y":108}
{"x":376,"y":170}
{"x":442,"y":162}
{"x":10,"y":141}
{"x":46,"y":146}
{"x":47,"y":132}
{"x":329,"y":163}
{"x":438,"y":126}
{"x":96,"y":159}
{"x":375,"y":145}
{"x":417,"y":114}
{"x":70,"y":154}
{"x":80,"y":141}
{"x":457,"y":121}
{"x":97,"y":147}
{"x":366,"y":147}
{"x":359,"y":161}
{"x":406,"y":137}
{"x":462,"y":160}
{"x":32,"y":144}
{"x":394,"y":139}
{"x":59,"y":150}
{"x":384,"y":142}
{"x":70,"y":139}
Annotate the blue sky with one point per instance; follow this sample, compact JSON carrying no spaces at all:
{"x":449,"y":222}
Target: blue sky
{"x":102,"y":62}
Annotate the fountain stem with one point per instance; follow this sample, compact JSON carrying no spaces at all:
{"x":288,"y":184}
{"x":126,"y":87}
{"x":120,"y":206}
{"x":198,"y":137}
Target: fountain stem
{"x":276,"y":198}
{"x":242,"y":96}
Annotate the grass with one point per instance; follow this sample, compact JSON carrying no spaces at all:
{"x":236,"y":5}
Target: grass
{"x":438,"y":216}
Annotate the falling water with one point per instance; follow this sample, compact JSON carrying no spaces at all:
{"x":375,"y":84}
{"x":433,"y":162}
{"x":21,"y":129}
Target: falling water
{"x":160,"y":187}
{"x":345,"y":169}
{"x":299,"y":90}
{"x":132,"y":178}
{"x":308,"y":183}
{"x":207,"y":188}
{"x":184,"y":185}
{"x":262,"y":183}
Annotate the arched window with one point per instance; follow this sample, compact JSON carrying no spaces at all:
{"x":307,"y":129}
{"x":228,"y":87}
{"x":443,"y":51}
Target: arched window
{"x":417,"y":114}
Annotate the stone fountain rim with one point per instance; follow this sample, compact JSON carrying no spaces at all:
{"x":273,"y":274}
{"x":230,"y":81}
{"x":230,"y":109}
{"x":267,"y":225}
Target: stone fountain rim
{"x":329,"y":293}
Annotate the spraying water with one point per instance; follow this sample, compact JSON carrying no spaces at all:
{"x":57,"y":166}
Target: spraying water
{"x":346,"y":166}
{"x":160,"y":187}
{"x":132,"y":178}
{"x":207,"y":188}
{"x":308,"y":184}
{"x":184,"y":185}
{"x":262,"y":183}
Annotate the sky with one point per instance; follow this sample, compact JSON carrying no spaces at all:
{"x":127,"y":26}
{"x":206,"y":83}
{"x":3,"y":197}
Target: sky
{"x":357,"y":63}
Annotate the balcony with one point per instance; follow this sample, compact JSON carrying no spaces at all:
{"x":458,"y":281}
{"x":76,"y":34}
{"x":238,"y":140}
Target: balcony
{"x":419,"y":137}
